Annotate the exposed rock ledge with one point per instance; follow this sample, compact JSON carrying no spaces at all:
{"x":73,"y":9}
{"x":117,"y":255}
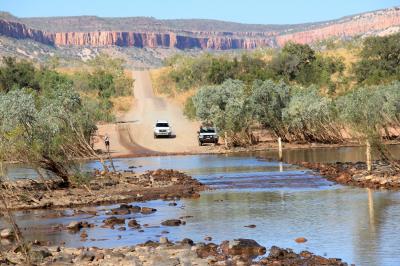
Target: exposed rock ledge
{"x":383,"y":175}
{"x":101,"y":189}
{"x":236,"y":252}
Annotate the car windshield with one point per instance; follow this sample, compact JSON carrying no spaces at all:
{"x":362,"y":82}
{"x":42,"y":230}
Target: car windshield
{"x":162,"y":125}
{"x":207,"y":130}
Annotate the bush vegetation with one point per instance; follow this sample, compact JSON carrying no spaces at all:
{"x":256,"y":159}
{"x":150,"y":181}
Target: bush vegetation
{"x":45,"y":118}
{"x":293,"y":92}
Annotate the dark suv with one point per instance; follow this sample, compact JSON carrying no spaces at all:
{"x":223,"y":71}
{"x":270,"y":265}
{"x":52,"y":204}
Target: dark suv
{"x":207,"y":135}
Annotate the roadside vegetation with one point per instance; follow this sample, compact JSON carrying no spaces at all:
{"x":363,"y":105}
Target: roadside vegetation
{"x":47,"y":118}
{"x":299,"y":93}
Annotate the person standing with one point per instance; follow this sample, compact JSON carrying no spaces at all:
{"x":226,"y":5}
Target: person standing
{"x":107,"y":142}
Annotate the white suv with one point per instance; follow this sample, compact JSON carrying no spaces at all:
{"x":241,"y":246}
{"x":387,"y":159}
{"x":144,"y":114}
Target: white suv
{"x":162,"y":128}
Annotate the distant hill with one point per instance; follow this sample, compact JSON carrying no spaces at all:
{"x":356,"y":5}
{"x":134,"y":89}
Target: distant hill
{"x":91,"y":32}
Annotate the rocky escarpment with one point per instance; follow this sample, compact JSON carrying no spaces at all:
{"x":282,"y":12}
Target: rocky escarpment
{"x":163,"y":37}
{"x":21,"y":31}
{"x":155,"y":40}
{"x":367,"y":24}
{"x":199,"y":40}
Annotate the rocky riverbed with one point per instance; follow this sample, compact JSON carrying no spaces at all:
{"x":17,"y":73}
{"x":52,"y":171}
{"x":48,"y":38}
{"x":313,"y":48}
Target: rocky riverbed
{"x":383,"y":174}
{"x":100,"y":189}
{"x":185,"y":252}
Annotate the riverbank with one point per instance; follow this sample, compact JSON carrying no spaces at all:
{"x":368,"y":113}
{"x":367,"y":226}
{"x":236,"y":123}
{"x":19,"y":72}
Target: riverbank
{"x":262,"y":146}
{"x":383,"y":175}
{"x":185,"y":252}
{"x":100,"y":188}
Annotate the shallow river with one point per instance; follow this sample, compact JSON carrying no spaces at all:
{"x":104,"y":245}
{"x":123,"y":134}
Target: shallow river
{"x":283,"y":201}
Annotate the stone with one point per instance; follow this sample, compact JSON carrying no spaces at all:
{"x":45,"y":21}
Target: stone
{"x":172,"y":222}
{"x":250,"y":226}
{"x":7,"y":233}
{"x":74,"y":226}
{"x":133,"y":224}
{"x":84,"y":234}
{"x":111,"y":221}
{"x":277,"y":253}
{"x":187,"y":241}
{"x":147,"y":210}
{"x":38,"y":254}
{"x":164,"y":240}
{"x":300,"y":240}
{"x":119,"y":211}
{"x":99,"y":256}
{"x":86,"y":256}
{"x":243,"y":247}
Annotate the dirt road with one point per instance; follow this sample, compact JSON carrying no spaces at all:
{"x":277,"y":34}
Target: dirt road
{"x":133,"y":134}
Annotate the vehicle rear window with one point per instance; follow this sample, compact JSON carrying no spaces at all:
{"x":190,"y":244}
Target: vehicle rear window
{"x":162,"y":125}
{"x":207,"y":130}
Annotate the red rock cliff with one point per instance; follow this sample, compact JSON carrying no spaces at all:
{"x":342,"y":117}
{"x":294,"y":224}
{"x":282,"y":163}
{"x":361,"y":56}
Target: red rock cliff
{"x":154,"y":40}
{"x":20,"y":31}
{"x":343,"y":28}
{"x":355,"y":26}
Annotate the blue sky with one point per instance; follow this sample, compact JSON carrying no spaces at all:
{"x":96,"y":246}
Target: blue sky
{"x":245,"y":11}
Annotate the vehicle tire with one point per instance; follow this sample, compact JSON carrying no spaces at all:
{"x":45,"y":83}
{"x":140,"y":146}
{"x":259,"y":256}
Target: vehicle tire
{"x":155,"y":136}
{"x":200,"y":143}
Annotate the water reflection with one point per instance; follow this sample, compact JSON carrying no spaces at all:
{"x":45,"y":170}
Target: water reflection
{"x":282,"y":200}
{"x":326,"y":155}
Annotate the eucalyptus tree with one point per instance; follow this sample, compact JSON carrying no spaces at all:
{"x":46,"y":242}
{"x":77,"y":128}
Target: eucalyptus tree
{"x":370,"y":112}
{"x":268,"y":99}
{"x":311,"y":117}
{"x":228,"y":107}
{"x":46,"y":131}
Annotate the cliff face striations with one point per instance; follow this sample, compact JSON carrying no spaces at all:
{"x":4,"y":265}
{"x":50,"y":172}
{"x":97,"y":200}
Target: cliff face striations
{"x":155,"y":40}
{"x":20,"y":31}
{"x":346,"y":28}
{"x":367,"y":23}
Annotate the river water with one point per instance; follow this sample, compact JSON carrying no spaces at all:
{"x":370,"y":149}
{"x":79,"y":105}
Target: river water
{"x":283,"y":201}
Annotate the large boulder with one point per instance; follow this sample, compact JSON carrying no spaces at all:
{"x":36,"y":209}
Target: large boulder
{"x":7,"y":233}
{"x":242,"y":247}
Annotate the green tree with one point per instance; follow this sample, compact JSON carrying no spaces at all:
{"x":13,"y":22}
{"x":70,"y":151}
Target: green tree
{"x":310,"y":117}
{"x":226,"y":106}
{"x":15,"y":74}
{"x":268,"y":100}
{"x":380,"y":60}
{"x":369,"y":112}
{"x":48,"y":131}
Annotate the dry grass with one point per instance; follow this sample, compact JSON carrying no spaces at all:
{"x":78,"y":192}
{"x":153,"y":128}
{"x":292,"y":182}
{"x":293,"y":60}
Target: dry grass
{"x":162,"y":84}
{"x":122,"y":104}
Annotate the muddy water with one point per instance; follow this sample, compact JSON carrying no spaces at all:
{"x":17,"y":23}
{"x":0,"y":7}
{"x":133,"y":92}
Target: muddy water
{"x":282,"y":200}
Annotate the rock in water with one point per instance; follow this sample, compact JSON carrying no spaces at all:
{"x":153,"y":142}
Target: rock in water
{"x":74,"y":226}
{"x":147,"y":210}
{"x":172,"y":222}
{"x":133,"y":224}
{"x":301,"y":240}
{"x":243,"y":247}
{"x":111,"y":221}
